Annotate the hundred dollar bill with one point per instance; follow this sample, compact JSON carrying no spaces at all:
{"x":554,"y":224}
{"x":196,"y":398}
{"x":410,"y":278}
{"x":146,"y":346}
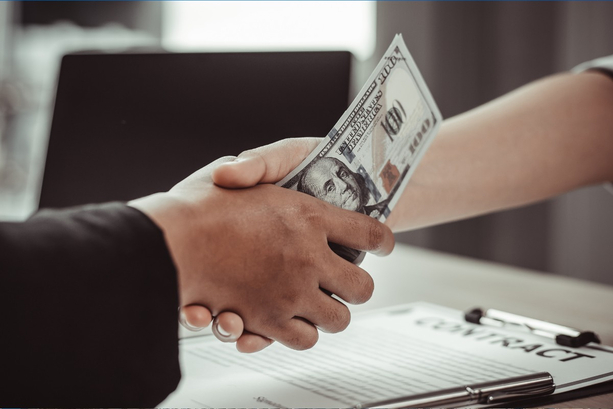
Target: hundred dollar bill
{"x":366,"y":160}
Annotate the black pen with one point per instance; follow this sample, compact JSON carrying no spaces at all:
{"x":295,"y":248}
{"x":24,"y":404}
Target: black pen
{"x":493,"y":392}
{"x":562,"y":335}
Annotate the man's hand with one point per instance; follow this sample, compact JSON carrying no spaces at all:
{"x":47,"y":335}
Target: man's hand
{"x":228,"y":327}
{"x":263,"y":252}
{"x":265,"y":164}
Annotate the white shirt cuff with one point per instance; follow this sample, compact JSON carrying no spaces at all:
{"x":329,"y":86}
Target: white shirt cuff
{"x":604,"y":63}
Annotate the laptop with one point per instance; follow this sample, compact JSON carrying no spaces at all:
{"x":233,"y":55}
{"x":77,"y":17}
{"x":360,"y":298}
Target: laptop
{"x":128,"y":125}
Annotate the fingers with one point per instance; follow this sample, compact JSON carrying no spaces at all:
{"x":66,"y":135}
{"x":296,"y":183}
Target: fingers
{"x":357,"y":231}
{"x":266,"y":164}
{"x":249,"y":343}
{"x":328,"y":314}
{"x":298,"y":334}
{"x":204,"y":174}
{"x":347,"y":281}
{"x":195,"y":317}
{"x":228,"y":327}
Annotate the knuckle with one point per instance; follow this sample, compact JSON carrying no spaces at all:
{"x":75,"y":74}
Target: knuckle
{"x":341,"y":317}
{"x":320,"y":207}
{"x":311,"y":212}
{"x":364,"y":289}
{"x":310,"y":261}
{"x":376,"y":235}
{"x":298,"y":271}
{"x":228,"y":158}
{"x":255,"y":153}
{"x":248,"y":153}
{"x":306,"y":340}
{"x":269,"y":323}
{"x":353,"y":224}
{"x":359,"y":285}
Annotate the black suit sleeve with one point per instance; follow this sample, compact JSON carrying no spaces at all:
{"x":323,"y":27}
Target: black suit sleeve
{"x":88,"y":310}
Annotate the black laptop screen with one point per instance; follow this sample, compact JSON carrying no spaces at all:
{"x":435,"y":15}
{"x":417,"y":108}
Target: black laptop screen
{"x":127,"y":125}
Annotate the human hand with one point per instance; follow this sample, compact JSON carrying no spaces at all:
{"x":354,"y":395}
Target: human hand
{"x":227,"y":327}
{"x":265,"y":164}
{"x":261,"y":242}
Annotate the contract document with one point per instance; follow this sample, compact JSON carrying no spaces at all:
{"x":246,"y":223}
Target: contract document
{"x":404,"y":350}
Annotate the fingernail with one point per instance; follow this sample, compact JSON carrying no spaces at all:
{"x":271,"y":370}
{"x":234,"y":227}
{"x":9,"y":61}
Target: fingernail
{"x":221,"y":333}
{"x":183,"y":321}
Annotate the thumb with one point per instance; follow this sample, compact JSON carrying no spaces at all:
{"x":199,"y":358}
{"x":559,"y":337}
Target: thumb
{"x":266,"y":164}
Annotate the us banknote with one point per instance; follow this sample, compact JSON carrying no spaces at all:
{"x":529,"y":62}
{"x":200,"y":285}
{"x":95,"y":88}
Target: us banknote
{"x":366,"y":160}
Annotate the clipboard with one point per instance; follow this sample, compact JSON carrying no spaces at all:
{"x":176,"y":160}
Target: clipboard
{"x":586,"y":392}
{"x":404,"y":350}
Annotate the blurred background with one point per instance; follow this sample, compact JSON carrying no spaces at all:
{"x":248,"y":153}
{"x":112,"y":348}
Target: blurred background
{"x":468,"y":52}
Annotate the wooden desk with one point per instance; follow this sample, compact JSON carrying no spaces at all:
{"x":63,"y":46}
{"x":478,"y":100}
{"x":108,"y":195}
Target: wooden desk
{"x":411,"y":274}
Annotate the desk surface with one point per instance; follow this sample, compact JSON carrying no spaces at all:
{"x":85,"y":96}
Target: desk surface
{"x":411,"y":274}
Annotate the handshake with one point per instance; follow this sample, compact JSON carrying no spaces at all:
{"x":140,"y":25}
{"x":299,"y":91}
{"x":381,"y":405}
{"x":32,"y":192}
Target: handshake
{"x":256,"y":256}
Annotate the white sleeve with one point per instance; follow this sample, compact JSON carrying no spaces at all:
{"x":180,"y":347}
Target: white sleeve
{"x":603,"y":64}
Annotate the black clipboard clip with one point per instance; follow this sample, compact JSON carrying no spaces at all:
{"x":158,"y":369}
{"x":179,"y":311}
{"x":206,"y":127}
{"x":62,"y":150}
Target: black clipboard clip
{"x":569,"y":337}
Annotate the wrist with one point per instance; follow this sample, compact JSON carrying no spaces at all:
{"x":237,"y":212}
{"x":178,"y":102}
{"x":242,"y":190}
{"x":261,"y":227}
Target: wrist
{"x":172,"y":215}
